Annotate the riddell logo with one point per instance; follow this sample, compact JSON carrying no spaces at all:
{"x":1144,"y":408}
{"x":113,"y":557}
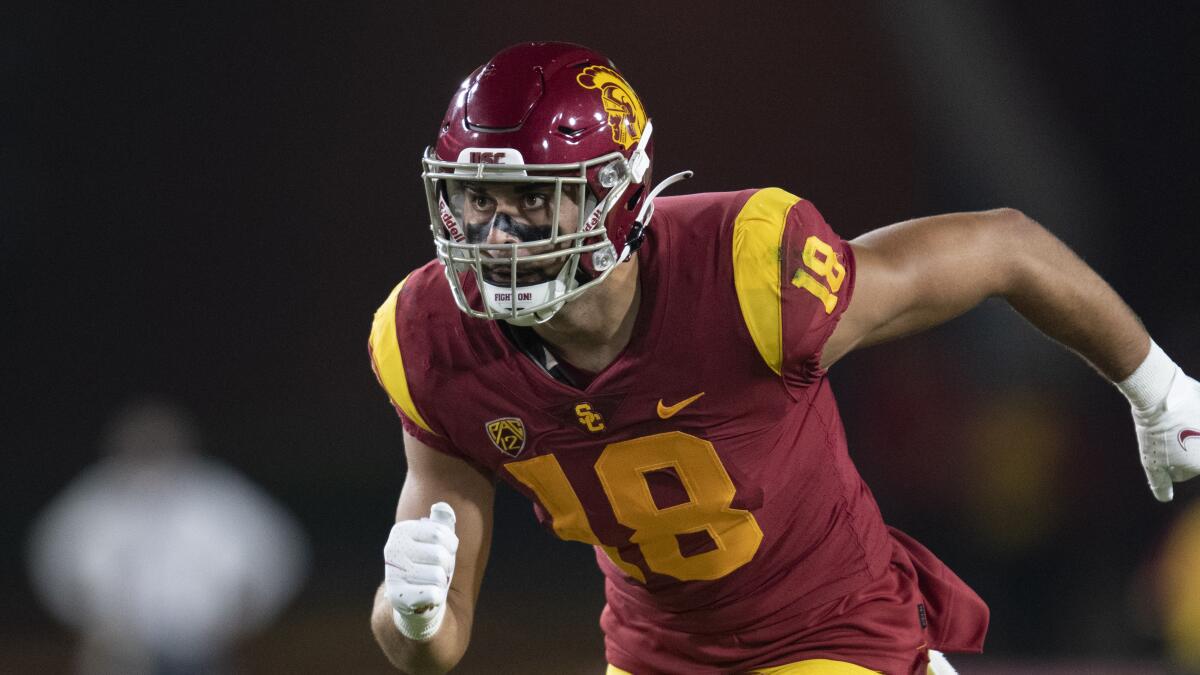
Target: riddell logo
{"x":452,"y":227}
{"x":593,"y":219}
{"x":448,"y":221}
{"x":487,"y":157}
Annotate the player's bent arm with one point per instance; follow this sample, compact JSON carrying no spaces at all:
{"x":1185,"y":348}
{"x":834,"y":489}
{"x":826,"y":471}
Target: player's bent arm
{"x":436,"y":477}
{"x":920,"y":273}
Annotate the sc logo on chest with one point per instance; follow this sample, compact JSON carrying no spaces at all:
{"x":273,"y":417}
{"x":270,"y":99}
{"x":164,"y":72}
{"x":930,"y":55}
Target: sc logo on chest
{"x":590,"y":419}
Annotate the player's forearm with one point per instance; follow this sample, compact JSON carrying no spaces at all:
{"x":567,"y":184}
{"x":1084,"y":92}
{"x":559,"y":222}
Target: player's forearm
{"x":437,"y":655}
{"x":1064,"y":298}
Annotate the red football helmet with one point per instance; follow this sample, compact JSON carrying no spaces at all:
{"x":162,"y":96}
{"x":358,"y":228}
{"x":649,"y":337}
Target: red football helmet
{"x":543,"y":129}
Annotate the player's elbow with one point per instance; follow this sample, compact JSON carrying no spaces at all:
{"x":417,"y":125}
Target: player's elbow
{"x":1010,"y":237}
{"x":1010,"y":226}
{"x":1008,"y":217}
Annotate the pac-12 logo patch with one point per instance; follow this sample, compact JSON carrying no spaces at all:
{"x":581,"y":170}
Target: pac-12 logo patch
{"x":625,"y":113}
{"x":507,"y":434}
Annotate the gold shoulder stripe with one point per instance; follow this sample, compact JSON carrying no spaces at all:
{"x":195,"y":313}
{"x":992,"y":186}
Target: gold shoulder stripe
{"x":389,"y":366}
{"x":757,"y":242}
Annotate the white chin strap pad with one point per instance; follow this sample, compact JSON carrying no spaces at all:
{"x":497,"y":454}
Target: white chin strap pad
{"x":499,"y":299}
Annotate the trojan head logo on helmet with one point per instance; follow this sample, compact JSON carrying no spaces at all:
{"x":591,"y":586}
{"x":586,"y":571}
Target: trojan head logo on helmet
{"x":539,"y":183}
{"x":625,"y":113}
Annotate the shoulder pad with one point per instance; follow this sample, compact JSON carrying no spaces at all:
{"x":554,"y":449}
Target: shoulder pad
{"x":387,"y":361}
{"x":757,"y":246}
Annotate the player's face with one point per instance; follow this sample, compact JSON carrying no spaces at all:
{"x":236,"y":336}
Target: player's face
{"x":515,"y":213}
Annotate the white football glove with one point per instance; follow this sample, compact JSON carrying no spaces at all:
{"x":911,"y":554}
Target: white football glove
{"x":1166,"y":414}
{"x":418,"y":564}
{"x":938,"y":665}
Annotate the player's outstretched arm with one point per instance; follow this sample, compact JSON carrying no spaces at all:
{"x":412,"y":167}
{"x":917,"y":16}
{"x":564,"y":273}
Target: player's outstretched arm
{"x":433,"y":562}
{"x":920,"y":273}
{"x":917,"y":274}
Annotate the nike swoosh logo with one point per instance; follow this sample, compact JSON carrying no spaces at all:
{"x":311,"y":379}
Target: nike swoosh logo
{"x":668,"y":411}
{"x":1185,"y":435}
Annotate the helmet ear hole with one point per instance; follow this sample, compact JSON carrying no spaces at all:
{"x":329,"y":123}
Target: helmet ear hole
{"x":637,"y":197}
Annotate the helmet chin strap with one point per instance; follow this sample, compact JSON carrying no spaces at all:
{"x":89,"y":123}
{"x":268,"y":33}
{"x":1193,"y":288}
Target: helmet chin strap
{"x":639,"y":161}
{"x":638,"y":232}
{"x":532,"y":295}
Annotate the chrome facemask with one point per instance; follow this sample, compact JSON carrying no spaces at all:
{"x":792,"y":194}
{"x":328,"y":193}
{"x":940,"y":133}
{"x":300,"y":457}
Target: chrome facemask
{"x":523,"y":282}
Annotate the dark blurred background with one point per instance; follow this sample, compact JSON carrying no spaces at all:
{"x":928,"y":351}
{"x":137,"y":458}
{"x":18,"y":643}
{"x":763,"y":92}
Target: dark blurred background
{"x":207,"y":202}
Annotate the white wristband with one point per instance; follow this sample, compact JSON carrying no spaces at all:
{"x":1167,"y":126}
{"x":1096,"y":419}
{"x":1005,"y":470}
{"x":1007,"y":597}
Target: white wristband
{"x":419,"y":627}
{"x":1149,"y":384}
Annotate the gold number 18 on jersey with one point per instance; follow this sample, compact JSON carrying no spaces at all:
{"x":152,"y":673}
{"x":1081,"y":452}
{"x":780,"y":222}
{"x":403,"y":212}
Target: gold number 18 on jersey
{"x":820,"y":259}
{"x":622,"y":469}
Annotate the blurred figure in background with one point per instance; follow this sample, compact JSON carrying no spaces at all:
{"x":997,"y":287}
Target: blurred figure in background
{"x":162,"y":558}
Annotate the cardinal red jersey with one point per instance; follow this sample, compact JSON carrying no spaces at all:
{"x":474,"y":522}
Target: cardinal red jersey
{"x":707,"y":464}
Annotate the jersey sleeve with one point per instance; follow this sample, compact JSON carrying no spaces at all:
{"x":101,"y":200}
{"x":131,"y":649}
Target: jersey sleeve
{"x":794,"y":277}
{"x":388,"y":364}
{"x":387,"y":360}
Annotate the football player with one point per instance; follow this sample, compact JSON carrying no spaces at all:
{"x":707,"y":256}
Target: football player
{"x":651,"y":373}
